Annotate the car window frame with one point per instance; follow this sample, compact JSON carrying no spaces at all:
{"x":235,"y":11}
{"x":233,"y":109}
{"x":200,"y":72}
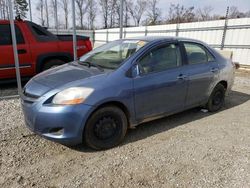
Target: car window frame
{"x":207,"y":51}
{"x":153,"y":47}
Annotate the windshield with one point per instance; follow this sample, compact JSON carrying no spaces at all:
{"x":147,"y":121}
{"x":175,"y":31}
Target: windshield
{"x":111,"y":55}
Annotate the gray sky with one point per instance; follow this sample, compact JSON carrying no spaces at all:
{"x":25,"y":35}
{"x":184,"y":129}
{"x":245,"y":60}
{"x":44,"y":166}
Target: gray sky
{"x":219,"y":7}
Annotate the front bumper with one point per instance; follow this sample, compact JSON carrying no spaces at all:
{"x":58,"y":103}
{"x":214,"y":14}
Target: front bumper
{"x":62,"y":124}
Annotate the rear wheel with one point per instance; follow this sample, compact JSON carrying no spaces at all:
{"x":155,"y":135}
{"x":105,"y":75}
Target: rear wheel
{"x":106,"y":128}
{"x":217,"y":98}
{"x":52,"y":63}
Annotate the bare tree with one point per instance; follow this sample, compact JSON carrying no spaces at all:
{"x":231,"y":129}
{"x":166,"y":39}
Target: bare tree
{"x":65,"y":6}
{"x":126,"y":14}
{"x":112,"y":7}
{"x":47,"y":12}
{"x":204,"y":13}
{"x":53,"y":10}
{"x":7,"y":10}
{"x":105,"y":11}
{"x":248,"y":14}
{"x":82,"y":8}
{"x":21,"y":8}
{"x":3,"y":9}
{"x":117,"y":13}
{"x":109,"y":12}
{"x":179,"y":14}
{"x":153,"y":12}
{"x":91,"y":13}
{"x":114,"y":13}
{"x":137,"y":9}
{"x":235,"y":13}
{"x":217,"y":17}
{"x":40,"y":8}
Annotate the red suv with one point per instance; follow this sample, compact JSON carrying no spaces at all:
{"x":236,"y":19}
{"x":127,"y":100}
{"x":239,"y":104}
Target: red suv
{"x":38,"y":49}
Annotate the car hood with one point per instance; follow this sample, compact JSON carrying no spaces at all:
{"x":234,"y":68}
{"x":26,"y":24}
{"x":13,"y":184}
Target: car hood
{"x":60,"y":76}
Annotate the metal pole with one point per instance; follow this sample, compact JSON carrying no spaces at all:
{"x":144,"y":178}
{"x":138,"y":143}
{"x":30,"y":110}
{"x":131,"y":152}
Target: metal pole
{"x":93,"y":36}
{"x":14,"y":44}
{"x":56,"y":19}
{"x":121,"y":18}
{"x":74,"y":30}
{"x":177,"y":30}
{"x":107,"y":35}
{"x":30,"y":11}
{"x":224,"y":31}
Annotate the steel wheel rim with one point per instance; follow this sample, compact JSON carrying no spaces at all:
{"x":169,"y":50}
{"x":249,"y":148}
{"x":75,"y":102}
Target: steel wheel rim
{"x":218,"y":98}
{"x":106,"y":127}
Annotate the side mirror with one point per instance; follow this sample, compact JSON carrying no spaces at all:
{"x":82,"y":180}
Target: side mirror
{"x":134,"y":71}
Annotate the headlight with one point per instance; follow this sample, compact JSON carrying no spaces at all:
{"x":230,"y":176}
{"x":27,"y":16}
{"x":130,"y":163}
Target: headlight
{"x":73,"y":95}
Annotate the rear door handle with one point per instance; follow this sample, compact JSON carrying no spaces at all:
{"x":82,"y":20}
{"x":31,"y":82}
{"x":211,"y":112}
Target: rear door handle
{"x":214,"y":70}
{"x":181,"y":77}
{"x":22,"y":51}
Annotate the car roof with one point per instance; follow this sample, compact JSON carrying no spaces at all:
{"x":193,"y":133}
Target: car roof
{"x":166,"y":38}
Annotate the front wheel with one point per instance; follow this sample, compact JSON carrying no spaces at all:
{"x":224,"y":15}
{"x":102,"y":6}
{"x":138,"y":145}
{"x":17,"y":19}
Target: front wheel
{"x":217,"y":98}
{"x":106,"y":128}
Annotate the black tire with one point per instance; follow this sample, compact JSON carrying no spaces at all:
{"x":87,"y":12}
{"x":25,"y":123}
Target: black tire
{"x":217,"y":98}
{"x":52,"y":63}
{"x":106,"y":128}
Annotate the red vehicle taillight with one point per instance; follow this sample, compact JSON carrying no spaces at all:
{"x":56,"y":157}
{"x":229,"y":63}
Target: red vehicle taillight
{"x":89,"y":45}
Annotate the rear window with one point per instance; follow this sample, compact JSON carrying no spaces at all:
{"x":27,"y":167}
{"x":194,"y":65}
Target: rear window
{"x":197,"y":53}
{"x":5,"y":37}
{"x":40,"y":33}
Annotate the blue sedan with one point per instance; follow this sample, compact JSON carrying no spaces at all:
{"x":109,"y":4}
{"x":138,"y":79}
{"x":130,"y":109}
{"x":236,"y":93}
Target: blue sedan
{"x":122,"y":84}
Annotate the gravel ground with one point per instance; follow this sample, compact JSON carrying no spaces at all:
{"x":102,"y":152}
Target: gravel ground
{"x":190,"y":149}
{"x":8,"y":90}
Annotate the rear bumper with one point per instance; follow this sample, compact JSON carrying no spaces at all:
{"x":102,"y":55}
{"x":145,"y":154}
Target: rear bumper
{"x":62,"y":124}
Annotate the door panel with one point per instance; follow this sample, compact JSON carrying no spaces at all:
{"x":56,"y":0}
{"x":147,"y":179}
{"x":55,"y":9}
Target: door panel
{"x":202,"y":70}
{"x":160,"y":93}
{"x":200,"y":82}
{"x":7,"y":64}
{"x":161,"y":86}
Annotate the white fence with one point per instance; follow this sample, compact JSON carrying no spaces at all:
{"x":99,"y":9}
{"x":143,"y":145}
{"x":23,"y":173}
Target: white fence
{"x":233,"y":35}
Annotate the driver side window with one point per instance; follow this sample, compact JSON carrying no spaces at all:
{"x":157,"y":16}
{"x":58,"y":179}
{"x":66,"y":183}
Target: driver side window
{"x":160,"y":59}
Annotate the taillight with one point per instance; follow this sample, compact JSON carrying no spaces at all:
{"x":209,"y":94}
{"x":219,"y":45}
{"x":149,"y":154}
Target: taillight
{"x":88,"y":45}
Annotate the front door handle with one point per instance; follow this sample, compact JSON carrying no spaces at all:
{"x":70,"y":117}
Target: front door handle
{"x":22,"y":51}
{"x":181,"y":77}
{"x":214,"y":70}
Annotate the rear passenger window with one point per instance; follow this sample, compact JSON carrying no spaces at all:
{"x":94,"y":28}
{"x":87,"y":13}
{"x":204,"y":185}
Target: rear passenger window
{"x":160,"y":59}
{"x":38,"y":31}
{"x":196,"y":53}
{"x":5,"y":37}
{"x":41,"y":34}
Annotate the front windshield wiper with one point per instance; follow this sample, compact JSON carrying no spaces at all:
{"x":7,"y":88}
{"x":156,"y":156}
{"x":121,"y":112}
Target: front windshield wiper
{"x":89,"y":64}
